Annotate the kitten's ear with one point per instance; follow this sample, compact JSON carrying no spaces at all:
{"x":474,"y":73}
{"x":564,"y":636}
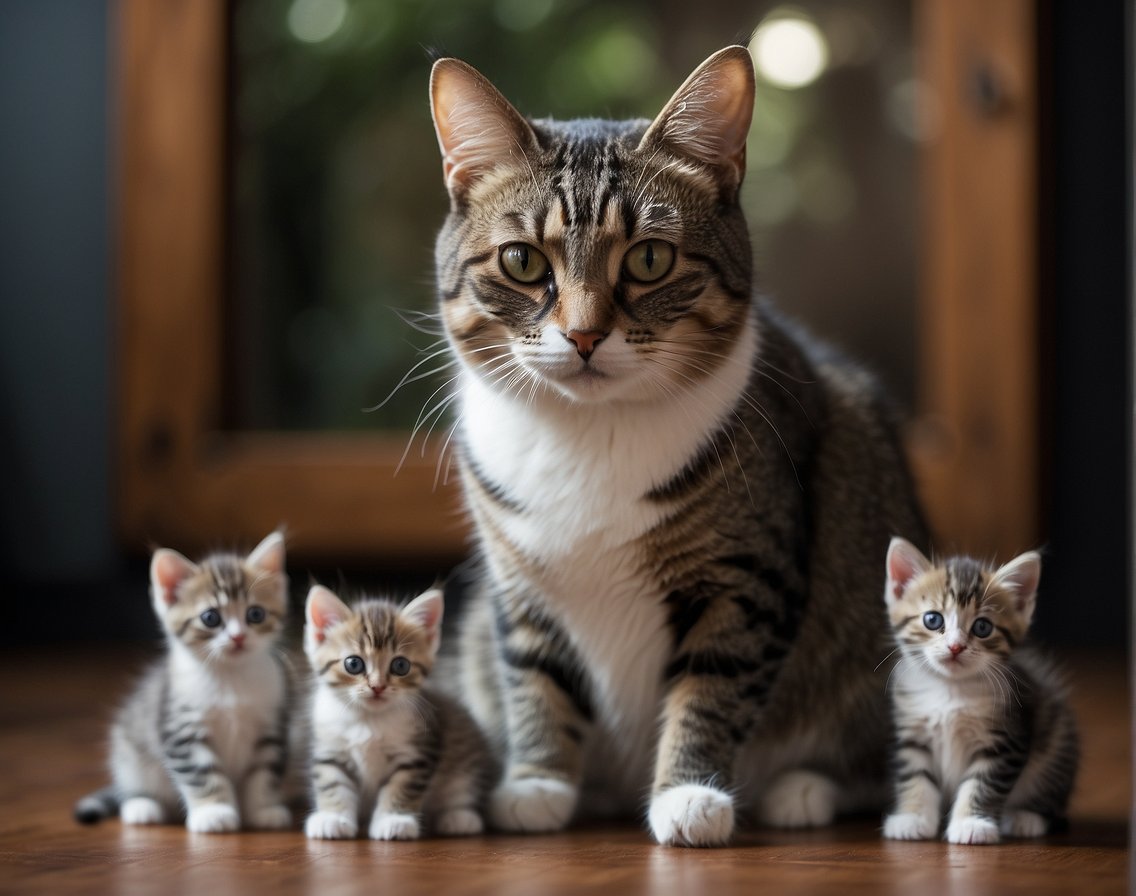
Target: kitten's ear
{"x":1021,"y":577}
{"x":708,"y":118}
{"x":323,"y":610}
{"x":904,"y":563}
{"x":168,"y":569}
{"x":478,"y":129}
{"x":269,"y":554}
{"x":426,"y":611}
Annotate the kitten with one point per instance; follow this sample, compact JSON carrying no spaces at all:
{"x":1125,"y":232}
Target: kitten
{"x":676,"y":495}
{"x":387,"y":747}
{"x":983,"y":728}
{"x":206,"y":732}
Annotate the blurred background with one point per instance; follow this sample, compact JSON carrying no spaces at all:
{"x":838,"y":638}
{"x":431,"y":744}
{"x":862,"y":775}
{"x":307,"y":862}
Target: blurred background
{"x":325,"y":195}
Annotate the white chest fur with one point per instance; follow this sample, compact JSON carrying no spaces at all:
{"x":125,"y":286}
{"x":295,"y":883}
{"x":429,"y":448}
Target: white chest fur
{"x":238,"y":701}
{"x":374,"y":742}
{"x":579,"y":471}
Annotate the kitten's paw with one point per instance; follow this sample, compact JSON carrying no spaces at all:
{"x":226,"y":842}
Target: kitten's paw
{"x":141,"y":810}
{"x":459,"y":823}
{"x":799,"y":799}
{"x":270,"y":818}
{"x":215,"y":818}
{"x":973,"y":830}
{"x":394,"y":826}
{"x":1020,"y":823}
{"x":910,"y":826}
{"x":532,"y":805}
{"x":330,"y":826}
{"x":692,"y":815}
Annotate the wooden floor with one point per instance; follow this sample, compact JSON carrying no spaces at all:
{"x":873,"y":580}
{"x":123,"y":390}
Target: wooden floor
{"x":53,"y":710}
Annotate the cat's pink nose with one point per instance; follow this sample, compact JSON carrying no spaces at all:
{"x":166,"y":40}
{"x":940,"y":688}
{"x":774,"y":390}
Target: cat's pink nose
{"x":377,"y":689}
{"x":585,"y":341}
{"x":956,"y":649}
{"x":239,"y":640}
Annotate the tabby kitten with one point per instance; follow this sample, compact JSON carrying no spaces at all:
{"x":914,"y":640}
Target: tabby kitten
{"x":983,"y":728}
{"x":206,"y":732}
{"x":675,"y":494}
{"x":387,"y":747}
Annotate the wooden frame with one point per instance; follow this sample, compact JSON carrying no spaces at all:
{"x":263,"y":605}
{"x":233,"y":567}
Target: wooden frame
{"x":184,"y":481}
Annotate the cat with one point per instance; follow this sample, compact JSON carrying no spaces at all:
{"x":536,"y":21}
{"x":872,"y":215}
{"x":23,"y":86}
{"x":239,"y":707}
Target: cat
{"x":206,"y":733}
{"x":982,"y":724}
{"x":674,"y":491}
{"x":385,"y":745}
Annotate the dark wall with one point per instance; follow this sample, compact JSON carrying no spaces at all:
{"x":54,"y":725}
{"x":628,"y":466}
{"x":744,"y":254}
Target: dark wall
{"x":1085,"y":195}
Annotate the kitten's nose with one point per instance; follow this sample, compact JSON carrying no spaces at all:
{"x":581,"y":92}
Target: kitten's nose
{"x":377,"y":689}
{"x":956,"y":649}
{"x":585,"y":341}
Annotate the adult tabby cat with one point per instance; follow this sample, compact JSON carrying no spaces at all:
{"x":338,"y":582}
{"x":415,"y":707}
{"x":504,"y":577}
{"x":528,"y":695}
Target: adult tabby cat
{"x":678,"y":499}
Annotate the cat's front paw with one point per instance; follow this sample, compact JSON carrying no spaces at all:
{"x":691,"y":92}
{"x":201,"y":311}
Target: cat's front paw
{"x":1020,"y":823}
{"x":459,"y":823}
{"x":330,"y":826}
{"x":973,"y":830}
{"x":534,"y":805}
{"x":910,"y":826}
{"x":692,"y":815}
{"x":799,"y":799}
{"x":215,"y":818}
{"x":141,"y":810}
{"x":270,"y":818}
{"x":394,"y":826}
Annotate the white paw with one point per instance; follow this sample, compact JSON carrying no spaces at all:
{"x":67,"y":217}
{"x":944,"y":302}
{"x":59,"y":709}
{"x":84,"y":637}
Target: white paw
{"x":330,"y":826}
{"x":141,"y":810}
{"x":799,"y":799}
{"x":459,"y":823}
{"x":270,"y":818}
{"x":1020,"y":823}
{"x":692,"y":815}
{"x":215,"y":818}
{"x":910,"y":826}
{"x":532,"y":804}
{"x":393,"y":826}
{"x":973,"y":830}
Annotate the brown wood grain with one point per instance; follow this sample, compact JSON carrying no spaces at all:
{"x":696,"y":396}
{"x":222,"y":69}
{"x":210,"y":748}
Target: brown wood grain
{"x":52,"y":727}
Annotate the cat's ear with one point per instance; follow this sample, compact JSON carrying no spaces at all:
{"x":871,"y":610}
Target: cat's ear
{"x":268,"y":556}
{"x":426,"y":611}
{"x":708,"y":118}
{"x":168,"y":569}
{"x":1021,"y":577}
{"x":904,"y":563}
{"x":478,"y":129}
{"x":322,"y":611}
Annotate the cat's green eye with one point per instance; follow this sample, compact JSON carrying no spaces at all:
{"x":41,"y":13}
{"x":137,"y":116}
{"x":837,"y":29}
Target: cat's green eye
{"x":648,"y":261}
{"x":524,"y":263}
{"x":400,"y":665}
{"x":354,"y":665}
{"x":982,"y":628}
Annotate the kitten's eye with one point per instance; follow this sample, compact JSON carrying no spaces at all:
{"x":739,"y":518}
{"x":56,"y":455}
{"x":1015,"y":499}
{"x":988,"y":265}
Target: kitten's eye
{"x":400,"y":665}
{"x":211,"y":618}
{"x":982,"y":628}
{"x":648,"y":261}
{"x":354,"y":665}
{"x":255,"y":615}
{"x":524,"y":263}
{"x":933,"y":620}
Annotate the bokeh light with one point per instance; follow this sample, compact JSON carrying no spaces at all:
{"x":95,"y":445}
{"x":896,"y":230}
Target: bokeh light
{"x":789,"y":51}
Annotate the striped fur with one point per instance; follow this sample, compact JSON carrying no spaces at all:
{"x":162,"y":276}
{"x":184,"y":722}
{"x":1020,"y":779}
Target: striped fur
{"x":206,"y":735}
{"x":387,"y":749}
{"x":675,"y":493}
{"x":983,"y":729}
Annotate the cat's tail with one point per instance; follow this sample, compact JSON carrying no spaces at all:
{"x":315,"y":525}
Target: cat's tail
{"x":94,"y":807}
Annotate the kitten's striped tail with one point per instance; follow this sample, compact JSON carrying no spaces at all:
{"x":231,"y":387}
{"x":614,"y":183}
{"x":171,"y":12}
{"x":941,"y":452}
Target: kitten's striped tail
{"x":94,"y":807}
